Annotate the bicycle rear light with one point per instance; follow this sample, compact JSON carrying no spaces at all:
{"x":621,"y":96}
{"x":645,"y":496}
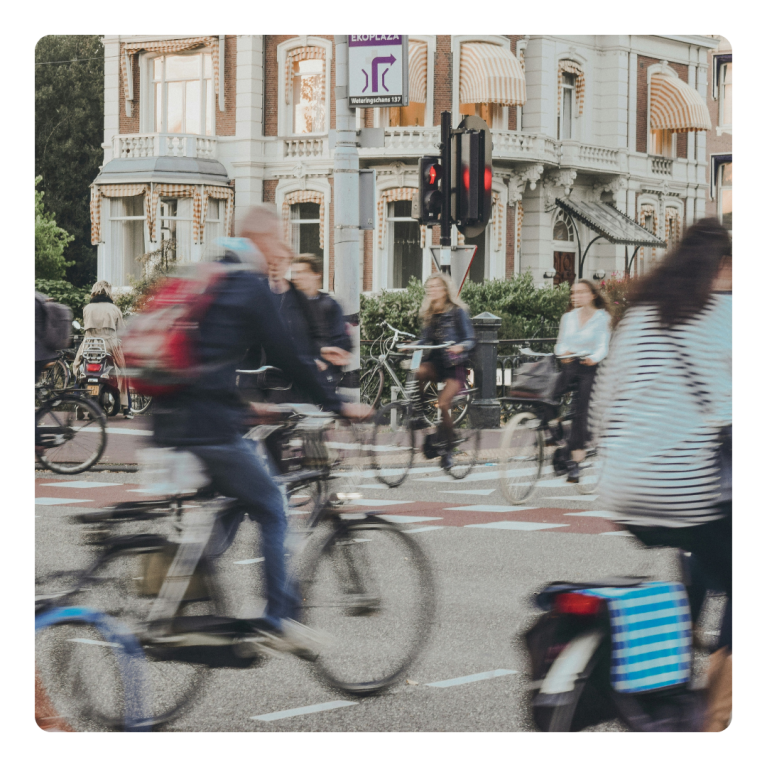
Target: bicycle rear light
{"x":572,"y":603}
{"x":93,"y":367}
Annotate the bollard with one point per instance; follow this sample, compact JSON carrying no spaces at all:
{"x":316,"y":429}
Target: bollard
{"x":486,"y":407}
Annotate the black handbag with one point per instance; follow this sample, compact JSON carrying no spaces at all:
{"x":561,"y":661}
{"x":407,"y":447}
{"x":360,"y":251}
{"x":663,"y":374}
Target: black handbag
{"x":535,"y":380}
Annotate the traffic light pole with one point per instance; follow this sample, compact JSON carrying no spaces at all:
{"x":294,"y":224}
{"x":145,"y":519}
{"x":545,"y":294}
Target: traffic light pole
{"x":445,"y":229}
{"x":346,"y":165}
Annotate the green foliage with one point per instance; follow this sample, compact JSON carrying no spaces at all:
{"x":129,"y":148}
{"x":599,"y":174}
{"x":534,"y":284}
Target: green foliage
{"x":69,"y":129}
{"x":65,"y":293}
{"x":50,"y":242}
{"x":525,"y":310}
{"x":615,"y":291}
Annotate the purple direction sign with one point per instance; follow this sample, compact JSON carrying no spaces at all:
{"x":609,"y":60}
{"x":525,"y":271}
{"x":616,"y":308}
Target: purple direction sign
{"x":377,"y":70}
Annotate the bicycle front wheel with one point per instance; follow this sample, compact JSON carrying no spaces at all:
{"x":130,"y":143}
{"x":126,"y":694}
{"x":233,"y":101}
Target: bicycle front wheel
{"x":371,"y":382}
{"x":140,"y":403}
{"x":370,"y":595}
{"x":465,"y":452}
{"x":392,"y":443}
{"x":71,"y":445}
{"x":57,"y":376}
{"x":521,"y":457}
{"x":590,"y":471}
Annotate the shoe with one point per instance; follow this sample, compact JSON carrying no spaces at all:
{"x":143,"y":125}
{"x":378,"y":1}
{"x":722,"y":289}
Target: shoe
{"x":292,"y":637}
{"x":446,"y":462}
{"x":128,"y":414}
{"x":573,"y":472}
{"x":556,"y":434}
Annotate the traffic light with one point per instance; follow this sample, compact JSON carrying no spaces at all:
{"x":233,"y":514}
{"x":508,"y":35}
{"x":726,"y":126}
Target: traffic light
{"x":430,"y":189}
{"x":473,"y":177}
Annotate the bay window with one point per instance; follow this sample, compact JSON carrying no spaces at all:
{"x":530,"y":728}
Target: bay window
{"x":125,"y":238}
{"x":176,"y":225}
{"x":184,"y":98}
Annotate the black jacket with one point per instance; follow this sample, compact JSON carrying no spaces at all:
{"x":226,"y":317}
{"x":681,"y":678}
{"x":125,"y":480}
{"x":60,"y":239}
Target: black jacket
{"x":453,"y":325}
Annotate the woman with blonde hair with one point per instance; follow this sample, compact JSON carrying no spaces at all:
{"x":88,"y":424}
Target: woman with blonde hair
{"x":102,"y":319}
{"x":445,"y":320}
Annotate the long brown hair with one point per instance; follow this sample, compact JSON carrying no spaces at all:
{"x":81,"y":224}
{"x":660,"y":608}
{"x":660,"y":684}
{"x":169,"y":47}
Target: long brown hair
{"x":451,"y":299}
{"x":681,"y":285}
{"x":599,"y":299}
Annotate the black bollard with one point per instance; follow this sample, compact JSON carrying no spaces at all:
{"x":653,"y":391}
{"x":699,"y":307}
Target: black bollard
{"x":486,"y":406}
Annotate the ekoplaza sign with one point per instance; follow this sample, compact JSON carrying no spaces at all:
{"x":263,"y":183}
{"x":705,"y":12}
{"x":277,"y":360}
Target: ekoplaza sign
{"x":378,"y":71}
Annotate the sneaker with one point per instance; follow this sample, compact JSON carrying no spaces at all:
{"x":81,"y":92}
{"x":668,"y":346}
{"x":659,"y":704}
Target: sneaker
{"x":446,"y":462}
{"x":292,"y":637}
{"x":128,"y":414}
{"x":573,"y":473}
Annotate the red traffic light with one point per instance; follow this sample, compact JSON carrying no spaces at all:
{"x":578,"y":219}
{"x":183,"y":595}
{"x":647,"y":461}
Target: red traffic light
{"x":433,"y":174}
{"x":488,"y":179}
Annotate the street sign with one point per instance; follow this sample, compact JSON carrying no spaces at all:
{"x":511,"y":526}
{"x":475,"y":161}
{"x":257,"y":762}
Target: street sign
{"x":458,"y":258}
{"x":378,"y":71}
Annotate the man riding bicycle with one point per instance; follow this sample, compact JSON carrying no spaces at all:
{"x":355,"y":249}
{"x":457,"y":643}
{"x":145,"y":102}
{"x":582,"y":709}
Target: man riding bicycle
{"x":208,"y":418}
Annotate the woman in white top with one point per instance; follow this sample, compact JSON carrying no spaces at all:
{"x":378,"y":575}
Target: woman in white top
{"x":584,"y":330}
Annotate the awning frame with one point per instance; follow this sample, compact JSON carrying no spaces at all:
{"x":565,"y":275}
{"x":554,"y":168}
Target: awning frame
{"x":572,"y":211}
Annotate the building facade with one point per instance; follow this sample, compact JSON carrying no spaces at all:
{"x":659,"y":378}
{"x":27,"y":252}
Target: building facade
{"x":197,"y":129}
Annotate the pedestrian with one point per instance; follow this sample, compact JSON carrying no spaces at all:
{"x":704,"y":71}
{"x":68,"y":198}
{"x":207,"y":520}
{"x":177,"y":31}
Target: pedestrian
{"x":326,"y":316}
{"x":583,"y":331}
{"x":102,"y":319}
{"x":663,"y":411}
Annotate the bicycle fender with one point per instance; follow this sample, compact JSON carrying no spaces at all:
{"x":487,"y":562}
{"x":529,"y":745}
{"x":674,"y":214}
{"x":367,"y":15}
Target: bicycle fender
{"x":571,"y":663}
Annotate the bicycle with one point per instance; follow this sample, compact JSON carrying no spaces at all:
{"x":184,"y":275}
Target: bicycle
{"x":394,"y":438}
{"x":529,"y":443}
{"x":62,"y":445}
{"x":373,"y":377}
{"x":57,"y":374}
{"x":365,"y":584}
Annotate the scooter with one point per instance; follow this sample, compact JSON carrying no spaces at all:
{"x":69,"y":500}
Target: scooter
{"x":97,"y":375}
{"x":611,"y":649}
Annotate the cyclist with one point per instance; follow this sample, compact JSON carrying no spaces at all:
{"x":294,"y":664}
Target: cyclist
{"x":663,"y":408}
{"x":208,"y":418}
{"x":445,"y":318}
{"x":584,"y":329}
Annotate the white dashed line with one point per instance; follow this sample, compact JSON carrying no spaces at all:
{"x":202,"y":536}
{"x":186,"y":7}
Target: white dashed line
{"x":486,"y":507}
{"x":401,"y":519}
{"x":249,"y":561}
{"x":472,"y":678}
{"x":304,"y":710}
{"x":425,"y":529}
{"x":469,"y":492}
{"x":60,"y":501}
{"x":509,"y":525}
{"x":602,"y":514}
{"x":81,"y":483}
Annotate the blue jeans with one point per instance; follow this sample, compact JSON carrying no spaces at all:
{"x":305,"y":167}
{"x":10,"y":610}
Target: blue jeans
{"x":238,"y":472}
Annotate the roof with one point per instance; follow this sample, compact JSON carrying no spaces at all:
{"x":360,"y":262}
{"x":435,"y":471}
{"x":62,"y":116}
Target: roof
{"x":607,"y":220}
{"x":170,"y":170}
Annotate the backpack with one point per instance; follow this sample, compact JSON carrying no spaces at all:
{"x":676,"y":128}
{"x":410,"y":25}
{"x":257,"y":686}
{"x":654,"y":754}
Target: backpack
{"x":57,"y":331}
{"x":161,"y":343}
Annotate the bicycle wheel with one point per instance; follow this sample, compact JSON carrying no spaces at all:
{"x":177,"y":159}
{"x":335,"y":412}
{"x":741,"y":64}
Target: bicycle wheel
{"x":71,"y":446}
{"x":521,"y":457}
{"x":392,"y":448}
{"x":466,"y":448}
{"x":57,"y":376}
{"x":82,"y":657}
{"x":140,"y":403}
{"x":347,"y":445}
{"x":370,"y":594}
{"x":590,"y":470}
{"x":371,"y":382}
{"x":123,"y":583}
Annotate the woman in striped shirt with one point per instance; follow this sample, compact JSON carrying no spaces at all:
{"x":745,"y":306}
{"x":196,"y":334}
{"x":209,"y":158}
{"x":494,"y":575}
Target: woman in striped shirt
{"x":661,"y":405}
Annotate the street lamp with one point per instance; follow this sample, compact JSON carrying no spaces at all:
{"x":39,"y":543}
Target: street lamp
{"x":599,"y":275}
{"x":550,"y":274}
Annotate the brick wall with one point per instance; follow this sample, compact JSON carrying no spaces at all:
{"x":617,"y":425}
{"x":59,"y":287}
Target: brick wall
{"x":130,"y":124}
{"x":643,"y":63}
{"x":367,"y":263}
{"x":271,"y":81}
{"x":443,"y":77}
{"x":330,"y":245}
{"x":270,"y":187}
{"x":511,"y":240}
{"x":513,"y":110}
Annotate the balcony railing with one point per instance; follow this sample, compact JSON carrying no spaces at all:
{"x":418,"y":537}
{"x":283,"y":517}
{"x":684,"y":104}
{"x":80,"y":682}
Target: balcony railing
{"x":163,"y":145}
{"x":662,"y":166}
{"x":305,"y":147}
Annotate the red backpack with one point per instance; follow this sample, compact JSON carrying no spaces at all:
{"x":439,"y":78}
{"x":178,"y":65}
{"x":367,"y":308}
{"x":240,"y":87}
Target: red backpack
{"x":161,"y":342}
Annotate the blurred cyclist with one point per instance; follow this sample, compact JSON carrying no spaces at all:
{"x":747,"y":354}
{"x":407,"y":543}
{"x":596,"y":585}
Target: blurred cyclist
{"x":208,"y":418}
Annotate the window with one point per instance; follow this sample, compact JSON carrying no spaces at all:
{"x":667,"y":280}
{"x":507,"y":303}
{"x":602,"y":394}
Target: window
{"x":662,"y":143}
{"x":214,"y":228}
{"x":492,"y":114}
{"x":724,"y":195}
{"x":566,"y":113}
{"x":563,"y":228}
{"x":125,"y":238}
{"x":415,"y":114}
{"x":725,"y":94}
{"x":308,"y":96}
{"x":183,"y":94}
{"x":646,"y":256}
{"x":176,"y":225}
{"x":305,"y":229}
{"x":406,"y":256}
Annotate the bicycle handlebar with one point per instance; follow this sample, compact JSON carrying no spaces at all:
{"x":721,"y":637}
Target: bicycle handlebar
{"x":397,"y":332}
{"x":530,"y":353}
{"x":423,"y":346}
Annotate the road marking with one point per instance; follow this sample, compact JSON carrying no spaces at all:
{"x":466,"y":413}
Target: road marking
{"x":401,"y":519}
{"x":571,"y":497}
{"x":470,"y":492}
{"x":81,"y":484}
{"x":304,"y":710}
{"x":379,"y":486}
{"x":425,"y":529}
{"x":472,"y":678}
{"x":377,"y":502}
{"x":60,"y":501}
{"x":602,"y":514}
{"x":490,"y":507}
{"x":249,"y":561}
{"x":616,"y":532}
{"x":94,"y":641}
{"x":117,"y":430}
{"x":509,"y":525}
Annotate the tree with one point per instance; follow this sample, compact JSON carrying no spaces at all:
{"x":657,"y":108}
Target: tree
{"x":50,"y":241}
{"x":69,"y":125}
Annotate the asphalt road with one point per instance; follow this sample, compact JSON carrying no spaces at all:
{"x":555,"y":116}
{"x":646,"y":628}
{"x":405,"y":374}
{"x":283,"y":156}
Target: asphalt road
{"x":486,"y":572}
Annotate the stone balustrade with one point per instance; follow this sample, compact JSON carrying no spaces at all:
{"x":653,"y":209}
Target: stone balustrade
{"x":305,"y":147}
{"x":134,"y":146}
{"x":661,"y":166}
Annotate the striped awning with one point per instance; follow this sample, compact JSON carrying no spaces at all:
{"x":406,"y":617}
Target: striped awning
{"x":417,"y":62}
{"x":676,"y":106}
{"x":491,"y":74}
{"x":113,"y":190}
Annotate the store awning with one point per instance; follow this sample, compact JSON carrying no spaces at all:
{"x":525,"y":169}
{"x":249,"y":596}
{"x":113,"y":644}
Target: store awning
{"x":491,"y":74}
{"x":610,"y":223}
{"x":417,"y":58}
{"x":676,"y":106}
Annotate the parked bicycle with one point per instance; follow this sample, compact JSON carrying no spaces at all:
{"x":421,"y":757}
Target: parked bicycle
{"x":70,"y":430}
{"x":398,"y":433}
{"x":366,"y":585}
{"x":534,"y":443}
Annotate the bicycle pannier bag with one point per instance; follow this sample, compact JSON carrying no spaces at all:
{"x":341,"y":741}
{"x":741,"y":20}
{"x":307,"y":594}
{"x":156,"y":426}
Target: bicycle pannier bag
{"x":535,"y":380}
{"x":161,"y":342}
{"x":58,"y":323}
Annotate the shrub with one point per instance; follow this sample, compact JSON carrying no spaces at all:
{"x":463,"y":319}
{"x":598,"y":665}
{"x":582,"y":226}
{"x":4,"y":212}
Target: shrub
{"x":615,"y":290}
{"x":50,"y":242}
{"x":157,"y":265}
{"x":65,"y":293}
